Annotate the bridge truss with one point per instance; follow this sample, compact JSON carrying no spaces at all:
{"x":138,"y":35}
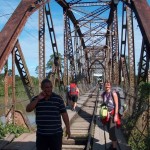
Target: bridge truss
{"x":92,"y":44}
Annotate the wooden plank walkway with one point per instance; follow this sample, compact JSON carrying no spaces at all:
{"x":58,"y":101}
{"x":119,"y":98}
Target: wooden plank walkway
{"x":24,"y":142}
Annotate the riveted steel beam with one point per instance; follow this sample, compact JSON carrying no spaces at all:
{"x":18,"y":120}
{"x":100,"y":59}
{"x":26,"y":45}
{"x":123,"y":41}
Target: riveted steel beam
{"x":142,"y":13}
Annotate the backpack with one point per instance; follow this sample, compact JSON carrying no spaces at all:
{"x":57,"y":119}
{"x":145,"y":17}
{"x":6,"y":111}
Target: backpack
{"x":121,"y":104}
{"x":122,"y":107}
{"x":73,"y":91}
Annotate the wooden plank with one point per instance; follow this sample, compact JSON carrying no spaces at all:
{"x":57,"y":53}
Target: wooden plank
{"x":6,"y":140}
{"x":24,"y":142}
{"x":73,"y":147}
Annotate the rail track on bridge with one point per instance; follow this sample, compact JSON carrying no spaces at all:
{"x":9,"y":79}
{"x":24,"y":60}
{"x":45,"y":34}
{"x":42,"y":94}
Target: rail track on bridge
{"x":82,"y":126}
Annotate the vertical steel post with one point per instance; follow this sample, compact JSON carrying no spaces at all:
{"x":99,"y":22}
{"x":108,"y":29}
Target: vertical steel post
{"x":41,"y":45}
{"x":13,"y":87}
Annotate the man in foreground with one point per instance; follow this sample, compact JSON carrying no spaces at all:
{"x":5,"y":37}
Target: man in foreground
{"x":49,"y":107}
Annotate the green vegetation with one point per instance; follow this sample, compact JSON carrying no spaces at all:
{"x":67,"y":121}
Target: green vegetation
{"x":21,"y":95}
{"x":137,"y":129}
{"x":52,"y":60}
{"x":11,"y":129}
{"x":20,"y":91}
{"x":138,"y":141}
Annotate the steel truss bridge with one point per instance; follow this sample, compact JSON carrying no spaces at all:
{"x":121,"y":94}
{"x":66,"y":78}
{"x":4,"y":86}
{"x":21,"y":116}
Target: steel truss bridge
{"x":98,"y":38}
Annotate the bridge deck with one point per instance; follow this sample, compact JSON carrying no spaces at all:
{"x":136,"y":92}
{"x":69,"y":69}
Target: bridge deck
{"x":27,"y":140}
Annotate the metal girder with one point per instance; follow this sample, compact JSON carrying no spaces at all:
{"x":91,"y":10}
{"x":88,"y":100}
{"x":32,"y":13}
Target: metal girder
{"x":41,"y":68}
{"x":57,"y":63}
{"x":66,"y":7}
{"x":97,"y":41}
{"x":101,"y":26}
{"x":23,"y":71}
{"x":69,"y":47}
{"x":125,"y":73}
{"x":143,"y":65}
{"x":12,"y":29}
{"x":131,"y":49}
{"x":123,"y":41}
{"x":109,"y":62}
{"x":88,"y":4}
{"x":142,"y":13}
{"x":91,"y":16}
{"x":74,"y":1}
{"x":114,"y":44}
{"x":51,"y":29}
{"x":66,"y":82}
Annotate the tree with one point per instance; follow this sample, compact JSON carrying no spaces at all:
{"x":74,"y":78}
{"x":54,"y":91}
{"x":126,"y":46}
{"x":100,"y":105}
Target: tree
{"x":50,"y":63}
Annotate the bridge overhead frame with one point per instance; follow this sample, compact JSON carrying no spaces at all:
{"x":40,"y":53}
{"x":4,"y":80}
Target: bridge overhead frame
{"x":91,"y":44}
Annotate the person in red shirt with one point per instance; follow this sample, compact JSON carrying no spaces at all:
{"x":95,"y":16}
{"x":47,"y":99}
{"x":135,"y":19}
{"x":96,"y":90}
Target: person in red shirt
{"x":74,"y":95}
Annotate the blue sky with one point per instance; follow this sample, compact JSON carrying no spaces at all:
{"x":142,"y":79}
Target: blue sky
{"x":29,"y":36}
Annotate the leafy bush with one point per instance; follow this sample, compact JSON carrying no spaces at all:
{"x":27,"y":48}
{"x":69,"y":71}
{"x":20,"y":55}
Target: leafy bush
{"x":137,"y":141}
{"x":137,"y":137}
{"x":11,"y":129}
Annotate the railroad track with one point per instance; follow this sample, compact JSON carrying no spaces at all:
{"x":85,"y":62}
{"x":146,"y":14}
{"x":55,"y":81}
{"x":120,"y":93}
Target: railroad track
{"x":82,"y":126}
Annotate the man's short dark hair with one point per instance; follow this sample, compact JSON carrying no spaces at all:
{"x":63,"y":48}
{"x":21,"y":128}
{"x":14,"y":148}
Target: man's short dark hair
{"x":45,"y":81}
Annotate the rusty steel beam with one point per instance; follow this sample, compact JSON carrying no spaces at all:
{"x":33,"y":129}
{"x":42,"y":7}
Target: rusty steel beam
{"x":142,"y":13}
{"x":131,"y":49}
{"x":41,"y":35}
{"x":23,"y":71}
{"x":65,"y":5}
{"x":89,"y":4}
{"x":57,"y":61}
{"x":65,"y":79}
{"x":143,"y":65}
{"x":14,"y":26}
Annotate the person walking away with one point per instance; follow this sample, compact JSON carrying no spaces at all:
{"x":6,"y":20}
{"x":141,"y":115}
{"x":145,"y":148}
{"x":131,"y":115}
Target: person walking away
{"x":112,"y":117}
{"x":74,"y":93}
{"x":49,"y":107}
